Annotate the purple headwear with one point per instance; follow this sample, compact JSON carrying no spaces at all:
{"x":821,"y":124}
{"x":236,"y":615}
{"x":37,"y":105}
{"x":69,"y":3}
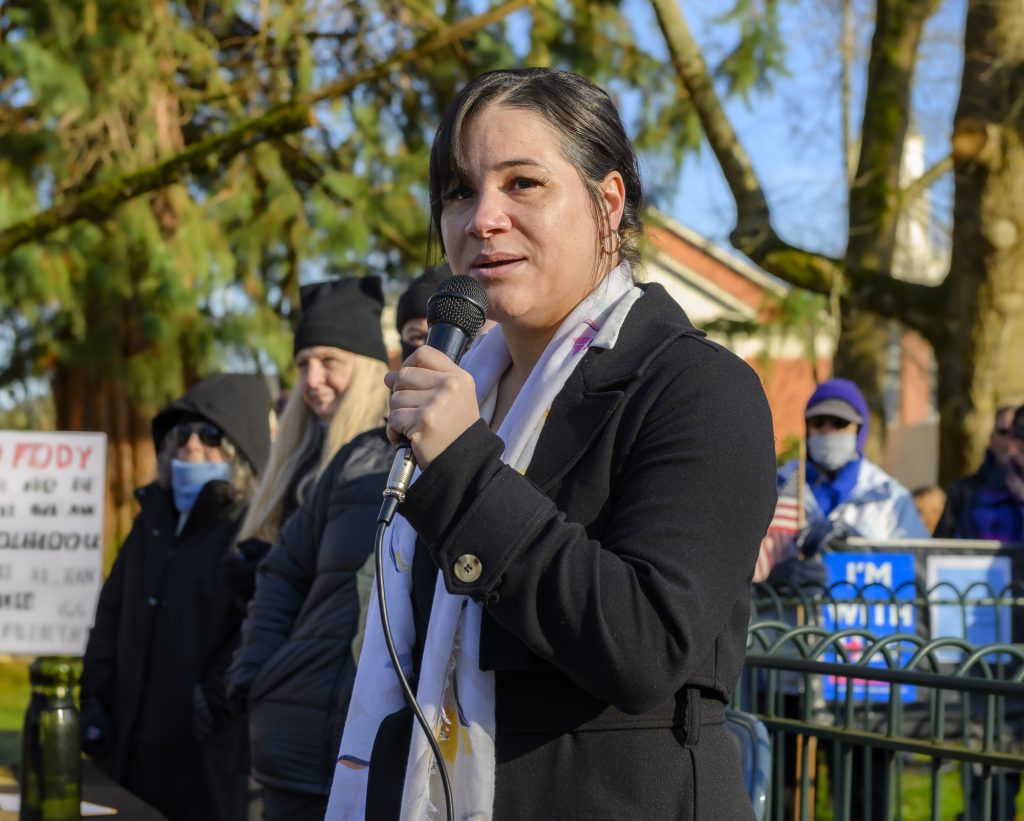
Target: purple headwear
{"x":836,"y":391}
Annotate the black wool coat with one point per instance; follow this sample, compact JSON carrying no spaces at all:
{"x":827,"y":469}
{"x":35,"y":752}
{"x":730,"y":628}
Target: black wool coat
{"x":297,"y":662}
{"x":165,"y":630}
{"x":615,"y":579}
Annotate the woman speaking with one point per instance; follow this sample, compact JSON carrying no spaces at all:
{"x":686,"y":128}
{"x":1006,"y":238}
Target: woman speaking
{"x":568,"y":581}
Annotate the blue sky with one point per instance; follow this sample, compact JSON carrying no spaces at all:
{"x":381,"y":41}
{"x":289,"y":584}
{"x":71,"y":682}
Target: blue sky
{"x":793,"y":132}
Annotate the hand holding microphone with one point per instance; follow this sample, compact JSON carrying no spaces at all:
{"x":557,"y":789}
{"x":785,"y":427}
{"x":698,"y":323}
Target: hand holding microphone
{"x":433,"y":401}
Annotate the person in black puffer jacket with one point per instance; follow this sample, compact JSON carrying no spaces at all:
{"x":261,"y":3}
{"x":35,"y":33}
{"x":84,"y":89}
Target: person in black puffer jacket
{"x":301,"y":641}
{"x":154,"y":708}
{"x":297,"y":662}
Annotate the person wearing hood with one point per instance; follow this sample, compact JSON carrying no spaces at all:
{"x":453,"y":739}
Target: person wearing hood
{"x":153,"y":706}
{"x":296,"y":665}
{"x":341,"y":360}
{"x":846,"y":494}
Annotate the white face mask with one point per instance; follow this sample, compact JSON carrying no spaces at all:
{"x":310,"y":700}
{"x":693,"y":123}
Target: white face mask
{"x":831,"y":451}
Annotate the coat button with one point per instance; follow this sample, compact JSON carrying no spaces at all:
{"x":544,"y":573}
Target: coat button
{"x":468,"y":568}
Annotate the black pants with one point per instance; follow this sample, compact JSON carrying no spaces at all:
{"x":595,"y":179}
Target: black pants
{"x":282,"y":805}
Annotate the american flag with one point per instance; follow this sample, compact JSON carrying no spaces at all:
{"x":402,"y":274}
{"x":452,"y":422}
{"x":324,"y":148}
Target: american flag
{"x":779,"y":541}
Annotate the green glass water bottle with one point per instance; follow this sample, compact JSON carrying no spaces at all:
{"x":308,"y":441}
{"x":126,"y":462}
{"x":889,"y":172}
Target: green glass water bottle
{"x":51,"y":758}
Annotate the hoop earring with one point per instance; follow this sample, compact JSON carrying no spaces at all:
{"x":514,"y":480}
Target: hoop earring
{"x":616,"y":243}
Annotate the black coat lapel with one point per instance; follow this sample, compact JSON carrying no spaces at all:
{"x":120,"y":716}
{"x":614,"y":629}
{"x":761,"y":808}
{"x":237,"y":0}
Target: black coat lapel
{"x":596,"y":388}
{"x":577,"y":416}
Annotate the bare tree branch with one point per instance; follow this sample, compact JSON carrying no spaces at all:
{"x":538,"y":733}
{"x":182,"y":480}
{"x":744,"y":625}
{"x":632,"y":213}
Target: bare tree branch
{"x":752,"y":221}
{"x":915,"y":305}
{"x":98,"y":202}
{"x":871,"y":288}
{"x":915,"y":188}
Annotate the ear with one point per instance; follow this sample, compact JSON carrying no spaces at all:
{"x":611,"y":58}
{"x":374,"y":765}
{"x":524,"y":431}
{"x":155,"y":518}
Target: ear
{"x":613,"y":195}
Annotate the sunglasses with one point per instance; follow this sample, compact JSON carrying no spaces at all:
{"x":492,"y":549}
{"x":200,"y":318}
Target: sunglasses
{"x":834,"y":422}
{"x":209,"y":434}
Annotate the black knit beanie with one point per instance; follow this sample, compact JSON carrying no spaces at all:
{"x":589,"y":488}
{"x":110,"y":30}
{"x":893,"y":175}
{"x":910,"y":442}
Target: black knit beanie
{"x":343,"y":313}
{"x":413,"y":301}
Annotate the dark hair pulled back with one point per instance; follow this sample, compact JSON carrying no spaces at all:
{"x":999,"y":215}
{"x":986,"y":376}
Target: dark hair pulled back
{"x":581,"y":115}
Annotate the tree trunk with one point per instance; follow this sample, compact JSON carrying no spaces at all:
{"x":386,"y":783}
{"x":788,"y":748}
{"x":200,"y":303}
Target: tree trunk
{"x":875,"y":195}
{"x":980,"y":357}
{"x":95,"y":402}
{"x":860,"y":357}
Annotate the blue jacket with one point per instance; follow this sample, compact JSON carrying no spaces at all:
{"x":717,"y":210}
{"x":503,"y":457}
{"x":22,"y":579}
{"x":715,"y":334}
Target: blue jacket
{"x":993,"y":513}
{"x":877,"y":507}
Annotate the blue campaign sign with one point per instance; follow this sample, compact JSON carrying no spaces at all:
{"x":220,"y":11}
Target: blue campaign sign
{"x":869,"y":576}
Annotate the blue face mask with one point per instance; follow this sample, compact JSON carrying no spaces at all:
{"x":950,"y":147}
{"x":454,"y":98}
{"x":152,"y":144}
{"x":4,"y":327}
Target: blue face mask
{"x":188,"y":478}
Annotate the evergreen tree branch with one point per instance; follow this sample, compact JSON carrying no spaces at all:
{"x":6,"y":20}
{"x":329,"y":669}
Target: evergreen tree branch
{"x":12,"y":117}
{"x":301,"y":167}
{"x":99,"y":201}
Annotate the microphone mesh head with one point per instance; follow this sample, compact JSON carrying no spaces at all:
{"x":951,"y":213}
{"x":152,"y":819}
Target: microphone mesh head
{"x":460,"y":301}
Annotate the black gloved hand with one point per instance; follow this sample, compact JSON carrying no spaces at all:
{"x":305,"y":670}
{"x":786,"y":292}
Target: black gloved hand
{"x":238,"y":567}
{"x":210,"y":707}
{"x":97,"y":732}
{"x":822,"y":535}
{"x":807,"y":575}
{"x":253,"y":549}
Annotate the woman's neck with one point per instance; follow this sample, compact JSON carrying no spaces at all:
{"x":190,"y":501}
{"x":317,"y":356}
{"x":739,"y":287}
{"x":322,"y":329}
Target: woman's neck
{"x":525,"y":347}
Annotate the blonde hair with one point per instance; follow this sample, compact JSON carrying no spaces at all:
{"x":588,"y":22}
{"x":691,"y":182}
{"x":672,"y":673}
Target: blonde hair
{"x":363,"y":406}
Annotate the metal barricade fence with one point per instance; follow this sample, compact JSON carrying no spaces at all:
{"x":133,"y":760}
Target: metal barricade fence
{"x":874,"y":703}
{"x":1002,"y":608}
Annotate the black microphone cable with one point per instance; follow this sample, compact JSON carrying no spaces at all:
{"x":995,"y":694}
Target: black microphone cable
{"x":455,"y":314}
{"x":410,"y":698}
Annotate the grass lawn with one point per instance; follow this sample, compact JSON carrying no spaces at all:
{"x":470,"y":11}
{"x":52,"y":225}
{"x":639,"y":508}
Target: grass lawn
{"x":915,"y":791}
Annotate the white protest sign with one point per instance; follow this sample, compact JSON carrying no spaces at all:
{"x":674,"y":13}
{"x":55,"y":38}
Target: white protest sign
{"x":51,"y":540}
{"x":963,"y":581}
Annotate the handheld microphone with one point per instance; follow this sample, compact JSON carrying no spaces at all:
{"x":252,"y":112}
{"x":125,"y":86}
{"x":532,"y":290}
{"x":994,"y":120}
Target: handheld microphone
{"x":455,"y":314}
